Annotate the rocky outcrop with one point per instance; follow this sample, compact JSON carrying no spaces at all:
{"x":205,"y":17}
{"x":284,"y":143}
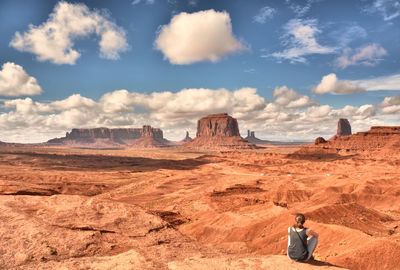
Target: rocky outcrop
{"x":378,"y":137}
{"x":217,"y":125}
{"x":251,"y":137}
{"x":99,"y":137}
{"x":219,"y":131}
{"x":343,"y":127}
{"x":187,"y":138}
{"x":320,"y":140}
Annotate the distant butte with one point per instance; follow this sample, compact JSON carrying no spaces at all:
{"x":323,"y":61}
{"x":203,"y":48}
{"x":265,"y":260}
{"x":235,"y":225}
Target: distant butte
{"x":187,"y":138}
{"x":219,"y":131}
{"x":251,"y":137}
{"x":343,"y":127}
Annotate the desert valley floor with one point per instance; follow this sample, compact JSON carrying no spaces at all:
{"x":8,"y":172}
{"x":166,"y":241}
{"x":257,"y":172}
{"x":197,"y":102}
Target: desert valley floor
{"x":70,"y":208}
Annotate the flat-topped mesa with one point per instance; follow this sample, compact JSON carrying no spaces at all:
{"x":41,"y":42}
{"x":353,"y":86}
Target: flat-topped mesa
{"x":219,"y":131}
{"x":103,"y":133}
{"x":385,"y":129}
{"x":380,"y":137}
{"x":113,"y":136}
{"x":217,"y":125}
{"x":343,"y":127}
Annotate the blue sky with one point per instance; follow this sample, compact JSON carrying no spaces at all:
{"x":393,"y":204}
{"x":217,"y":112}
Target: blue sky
{"x":285,"y":60}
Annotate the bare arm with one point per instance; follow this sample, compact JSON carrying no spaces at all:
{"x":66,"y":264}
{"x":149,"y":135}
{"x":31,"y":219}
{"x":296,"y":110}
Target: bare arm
{"x":312,"y":233}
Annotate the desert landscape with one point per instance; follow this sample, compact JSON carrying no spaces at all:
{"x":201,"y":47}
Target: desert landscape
{"x":199,"y":135}
{"x":214,"y":202}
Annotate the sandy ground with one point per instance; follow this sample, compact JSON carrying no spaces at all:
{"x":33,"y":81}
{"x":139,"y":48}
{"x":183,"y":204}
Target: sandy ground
{"x":172,"y":209}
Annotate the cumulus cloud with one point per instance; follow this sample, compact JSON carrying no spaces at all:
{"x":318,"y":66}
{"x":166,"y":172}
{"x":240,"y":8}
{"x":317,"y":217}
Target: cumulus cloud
{"x":14,"y":81}
{"x":300,"y":38}
{"x":27,"y":120}
{"x":54,"y":39}
{"x":369,"y":55}
{"x":264,"y":14}
{"x":391,"y":105}
{"x":331,"y":84}
{"x":195,"y":37}
{"x":289,"y":98}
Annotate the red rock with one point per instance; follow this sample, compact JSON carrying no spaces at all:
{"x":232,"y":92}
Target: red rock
{"x":320,"y":140}
{"x":387,"y":137}
{"x":219,"y":131}
{"x":217,"y":125}
{"x":99,"y":137}
{"x":251,"y":137}
{"x":187,"y":138}
{"x":343,"y":127}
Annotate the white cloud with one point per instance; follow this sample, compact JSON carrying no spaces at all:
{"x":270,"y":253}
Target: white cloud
{"x":390,"y":82}
{"x":27,"y":120}
{"x":388,"y":9}
{"x":264,"y":14}
{"x":391,"y":105}
{"x":289,"y":98}
{"x":301,"y":40}
{"x":368,"y":55}
{"x":300,"y":9}
{"x":200,"y":36}
{"x":54,"y":39}
{"x":148,"y":2}
{"x":14,"y":81}
{"x":331,"y":84}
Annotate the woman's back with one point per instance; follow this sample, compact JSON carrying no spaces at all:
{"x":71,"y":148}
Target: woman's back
{"x":301,"y":241}
{"x":297,"y":246}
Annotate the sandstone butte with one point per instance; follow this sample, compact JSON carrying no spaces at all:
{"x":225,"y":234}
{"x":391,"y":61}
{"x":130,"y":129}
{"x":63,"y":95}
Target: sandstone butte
{"x":343,"y":127}
{"x":251,"y":138}
{"x":219,"y":131}
{"x":187,"y":138}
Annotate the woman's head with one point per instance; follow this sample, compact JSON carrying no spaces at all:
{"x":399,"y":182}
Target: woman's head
{"x":300,"y":219}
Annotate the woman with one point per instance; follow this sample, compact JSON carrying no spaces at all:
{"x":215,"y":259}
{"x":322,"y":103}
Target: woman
{"x":301,"y":241}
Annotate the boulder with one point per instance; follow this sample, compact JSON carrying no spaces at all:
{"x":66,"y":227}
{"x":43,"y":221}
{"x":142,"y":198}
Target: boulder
{"x":320,"y":140}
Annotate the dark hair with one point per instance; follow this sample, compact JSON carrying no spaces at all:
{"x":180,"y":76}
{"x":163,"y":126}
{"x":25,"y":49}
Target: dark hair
{"x":300,"y":219}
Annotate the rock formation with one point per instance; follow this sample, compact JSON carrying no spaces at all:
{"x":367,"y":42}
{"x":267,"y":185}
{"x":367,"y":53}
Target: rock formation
{"x":187,"y":138}
{"x":251,"y":137}
{"x":145,"y":136}
{"x":343,"y":127}
{"x":319,"y":140}
{"x":215,"y":125}
{"x":378,"y":137}
{"x":219,"y":131}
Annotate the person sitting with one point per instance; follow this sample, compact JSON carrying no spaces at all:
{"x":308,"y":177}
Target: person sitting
{"x":301,"y":240}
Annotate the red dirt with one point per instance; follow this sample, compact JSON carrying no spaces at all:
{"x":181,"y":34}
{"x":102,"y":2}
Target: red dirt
{"x":174,"y":209}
